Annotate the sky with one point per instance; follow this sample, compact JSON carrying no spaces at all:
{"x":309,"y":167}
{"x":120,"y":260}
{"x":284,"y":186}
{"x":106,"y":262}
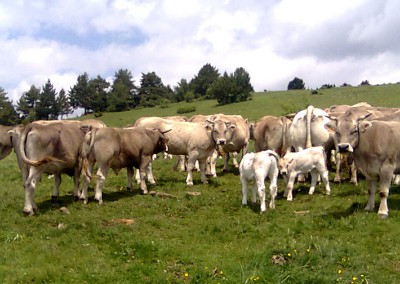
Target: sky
{"x":319,"y":41}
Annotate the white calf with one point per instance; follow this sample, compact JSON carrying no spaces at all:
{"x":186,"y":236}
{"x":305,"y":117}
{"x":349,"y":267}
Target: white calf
{"x":257,"y":166}
{"x":311,"y":160}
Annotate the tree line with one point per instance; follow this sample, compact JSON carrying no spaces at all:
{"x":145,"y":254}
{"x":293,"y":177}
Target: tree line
{"x":97,"y":95}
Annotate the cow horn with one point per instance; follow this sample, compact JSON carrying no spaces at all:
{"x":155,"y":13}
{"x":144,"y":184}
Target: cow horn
{"x":166,"y":131}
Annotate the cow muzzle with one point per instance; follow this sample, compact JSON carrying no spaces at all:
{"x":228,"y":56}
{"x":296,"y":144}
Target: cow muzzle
{"x":221,"y":142}
{"x":345,"y":148}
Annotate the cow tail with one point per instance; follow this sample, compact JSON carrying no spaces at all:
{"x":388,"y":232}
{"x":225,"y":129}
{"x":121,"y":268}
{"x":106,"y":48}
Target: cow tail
{"x":87,"y":146}
{"x":30,"y":162}
{"x":310,"y":110}
{"x":273,"y":154}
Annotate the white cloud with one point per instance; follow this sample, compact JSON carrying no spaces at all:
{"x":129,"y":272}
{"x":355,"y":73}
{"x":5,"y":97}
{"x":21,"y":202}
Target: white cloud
{"x":318,"y":41}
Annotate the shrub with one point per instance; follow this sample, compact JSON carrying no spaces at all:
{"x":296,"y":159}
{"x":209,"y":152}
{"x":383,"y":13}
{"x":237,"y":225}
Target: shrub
{"x":187,"y":109}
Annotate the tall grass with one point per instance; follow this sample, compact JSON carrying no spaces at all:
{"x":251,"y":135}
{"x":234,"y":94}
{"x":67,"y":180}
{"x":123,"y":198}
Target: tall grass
{"x":210,"y":238}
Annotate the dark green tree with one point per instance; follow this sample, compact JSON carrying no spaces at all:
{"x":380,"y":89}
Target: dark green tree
{"x":26,"y":105}
{"x":63,"y":103}
{"x":224,"y":90}
{"x":152,"y":90}
{"x":296,"y":84}
{"x":98,"y":95}
{"x":8,"y":115}
{"x":79,"y":94}
{"x":244,"y":87}
{"x":181,"y":90}
{"x":47,"y":107}
{"x":207,"y":75}
{"x":123,"y":92}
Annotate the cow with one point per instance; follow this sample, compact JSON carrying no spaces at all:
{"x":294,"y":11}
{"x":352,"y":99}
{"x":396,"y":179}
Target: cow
{"x":118,"y":148}
{"x":237,"y":137}
{"x":308,"y":129}
{"x":6,"y":144}
{"x":271,"y":133}
{"x":374,"y":145}
{"x":311,"y":160}
{"x":256,"y":167}
{"x":63,"y":138}
{"x":51,"y":148}
{"x":196,"y":140}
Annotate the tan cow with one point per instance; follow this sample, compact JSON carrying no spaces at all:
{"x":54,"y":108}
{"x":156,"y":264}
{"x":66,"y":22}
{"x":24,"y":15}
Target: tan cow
{"x":6,"y":145}
{"x":196,"y":140}
{"x":374,"y":145}
{"x":118,"y":148}
{"x":237,"y":137}
{"x":271,"y":133}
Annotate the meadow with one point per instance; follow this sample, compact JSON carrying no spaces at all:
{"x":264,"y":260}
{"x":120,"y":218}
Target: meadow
{"x":207,"y":238}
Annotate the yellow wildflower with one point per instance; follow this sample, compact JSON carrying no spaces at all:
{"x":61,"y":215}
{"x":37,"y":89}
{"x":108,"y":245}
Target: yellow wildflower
{"x":186,"y":274}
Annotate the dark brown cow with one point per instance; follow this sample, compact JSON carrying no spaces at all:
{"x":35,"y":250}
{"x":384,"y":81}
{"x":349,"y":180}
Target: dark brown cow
{"x":119,"y":148}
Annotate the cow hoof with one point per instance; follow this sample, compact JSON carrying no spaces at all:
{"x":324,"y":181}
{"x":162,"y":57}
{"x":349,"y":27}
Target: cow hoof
{"x":54,"y":198}
{"x":383,"y":215}
{"x":128,"y":188}
{"x":28,"y":213}
{"x":76,"y":197}
{"x":337,"y":180}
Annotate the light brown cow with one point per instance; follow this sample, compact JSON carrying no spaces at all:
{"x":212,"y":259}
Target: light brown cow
{"x":271,"y":133}
{"x":374,"y":145}
{"x":5,"y":141}
{"x":196,"y":140}
{"x":237,"y":137}
{"x":119,"y":148}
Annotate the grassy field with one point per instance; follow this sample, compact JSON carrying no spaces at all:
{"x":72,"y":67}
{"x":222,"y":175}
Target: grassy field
{"x":210,"y":238}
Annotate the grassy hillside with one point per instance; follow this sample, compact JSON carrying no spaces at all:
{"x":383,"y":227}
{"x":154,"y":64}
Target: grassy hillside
{"x":210,"y":238}
{"x":271,"y":103}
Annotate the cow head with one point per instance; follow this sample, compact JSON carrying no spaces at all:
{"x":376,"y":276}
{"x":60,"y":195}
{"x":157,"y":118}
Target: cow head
{"x":162,"y":143}
{"x":220,"y":130}
{"x":347,"y":131}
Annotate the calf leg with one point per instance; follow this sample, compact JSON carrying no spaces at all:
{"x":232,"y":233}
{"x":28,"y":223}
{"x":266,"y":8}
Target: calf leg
{"x":149,"y":173}
{"x":243,"y":180}
{"x":86,"y":182}
{"x":261,"y":192}
{"x":325,"y":179}
{"x":289,"y":187}
{"x":314,"y":179}
{"x":273,"y":188}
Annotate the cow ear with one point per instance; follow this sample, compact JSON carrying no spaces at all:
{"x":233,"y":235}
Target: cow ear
{"x":331,"y":126}
{"x":364,"y":126}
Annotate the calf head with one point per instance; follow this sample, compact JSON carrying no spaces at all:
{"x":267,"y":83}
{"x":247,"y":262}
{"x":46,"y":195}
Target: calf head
{"x":162,"y":142}
{"x":284,"y":165}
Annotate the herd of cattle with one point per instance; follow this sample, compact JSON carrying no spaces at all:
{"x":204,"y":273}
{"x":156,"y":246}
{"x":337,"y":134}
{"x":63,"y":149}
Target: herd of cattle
{"x":292,"y":145}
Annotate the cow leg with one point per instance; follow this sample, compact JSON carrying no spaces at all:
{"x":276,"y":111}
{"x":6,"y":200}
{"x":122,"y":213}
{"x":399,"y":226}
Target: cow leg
{"x":129,"y":173}
{"x":385,"y":179}
{"x":371,"y":184}
{"x":86,"y":182}
{"x":353,"y":169}
{"x":30,"y":185}
{"x":137,"y":176}
{"x":101,"y":178}
{"x":56,"y":190}
{"x":143,"y":186}
{"x":149,"y":173}
{"x":289,"y":186}
{"x":202,"y":165}
{"x":212,"y":164}
{"x":226,"y":162}
{"x":338,"y":165}
{"x":314,"y":179}
{"x":77,"y":175}
{"x":261,"y":193}
{"x":234,"y":159}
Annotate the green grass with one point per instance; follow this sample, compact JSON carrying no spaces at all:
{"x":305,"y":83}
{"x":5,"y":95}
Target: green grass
{"x":209,"y":238}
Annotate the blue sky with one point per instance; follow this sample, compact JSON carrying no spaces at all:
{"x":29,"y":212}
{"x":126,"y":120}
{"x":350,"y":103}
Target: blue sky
{"x":320,"y":41}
